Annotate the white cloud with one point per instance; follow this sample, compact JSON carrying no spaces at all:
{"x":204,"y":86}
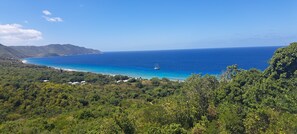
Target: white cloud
{"x":47,"y":17}
{"x":46,"y":12}
{"x":53,"y":19}
{"x":15,"y":34}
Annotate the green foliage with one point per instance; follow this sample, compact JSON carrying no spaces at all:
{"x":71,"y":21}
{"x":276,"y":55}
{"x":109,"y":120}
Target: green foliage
{"x":174,"y":129}
{"x":121,"y":77}
{"x":242,"y":101}
{"x":283,"y":64}
{"x":230,"y":72}
{"x":125,"y":124}
{"x":230,"y":118}
{"x":155,"y":81}
{"x":86,"y":115}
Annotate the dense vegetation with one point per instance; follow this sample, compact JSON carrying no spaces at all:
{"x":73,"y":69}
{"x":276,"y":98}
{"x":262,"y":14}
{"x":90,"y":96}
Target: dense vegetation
{"x":241,"y":101}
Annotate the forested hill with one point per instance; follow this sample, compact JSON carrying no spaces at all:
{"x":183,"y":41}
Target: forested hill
{"x":53,"y":50}
{"x":37,"y":99}
{"x":7,"y":52}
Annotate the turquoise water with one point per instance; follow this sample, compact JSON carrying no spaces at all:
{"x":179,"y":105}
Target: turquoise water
{"x":174,"y":64}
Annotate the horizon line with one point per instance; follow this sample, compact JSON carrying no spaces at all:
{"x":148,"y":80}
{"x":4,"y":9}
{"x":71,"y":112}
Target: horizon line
{"x":193,"y":48}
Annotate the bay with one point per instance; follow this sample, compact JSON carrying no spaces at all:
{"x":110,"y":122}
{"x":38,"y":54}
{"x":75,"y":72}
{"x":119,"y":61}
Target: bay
{"x":174,"y":64}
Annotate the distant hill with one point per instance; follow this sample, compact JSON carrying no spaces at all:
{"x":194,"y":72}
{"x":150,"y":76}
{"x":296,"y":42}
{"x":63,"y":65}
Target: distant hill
{"x":53,"y":50}
{"x":7,"y":52}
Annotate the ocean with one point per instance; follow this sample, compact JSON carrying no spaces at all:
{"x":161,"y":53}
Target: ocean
{"x":173,"y":64}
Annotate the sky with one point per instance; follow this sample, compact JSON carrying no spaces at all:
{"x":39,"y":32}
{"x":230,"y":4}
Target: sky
{"x":131,"y":25}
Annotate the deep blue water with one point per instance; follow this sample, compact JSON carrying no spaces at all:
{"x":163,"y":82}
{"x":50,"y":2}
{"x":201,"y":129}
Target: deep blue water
{"x":174,"y":64}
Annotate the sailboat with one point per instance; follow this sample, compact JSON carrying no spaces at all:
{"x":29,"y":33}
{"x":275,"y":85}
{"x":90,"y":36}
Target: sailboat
{"x":157,"y":67}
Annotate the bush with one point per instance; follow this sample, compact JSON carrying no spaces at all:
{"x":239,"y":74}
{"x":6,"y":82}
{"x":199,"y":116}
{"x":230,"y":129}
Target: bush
{"x":86,"y":115}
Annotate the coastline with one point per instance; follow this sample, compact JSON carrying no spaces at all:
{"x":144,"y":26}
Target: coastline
{"x":26,"y":61}
{"x":175,"y":65}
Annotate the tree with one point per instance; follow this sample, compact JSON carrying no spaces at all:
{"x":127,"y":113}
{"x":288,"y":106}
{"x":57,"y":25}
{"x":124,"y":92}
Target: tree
{"x":283,"y":64}
{"x":230,"y":72}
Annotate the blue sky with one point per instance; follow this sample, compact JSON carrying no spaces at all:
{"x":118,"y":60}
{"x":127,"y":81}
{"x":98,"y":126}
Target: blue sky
{"x":125,"y":25}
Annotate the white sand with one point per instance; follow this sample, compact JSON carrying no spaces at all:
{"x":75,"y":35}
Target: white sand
{"x":24,"y":61}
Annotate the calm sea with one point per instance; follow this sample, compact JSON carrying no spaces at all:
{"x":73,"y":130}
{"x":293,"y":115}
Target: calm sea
{"x":174,"y":64}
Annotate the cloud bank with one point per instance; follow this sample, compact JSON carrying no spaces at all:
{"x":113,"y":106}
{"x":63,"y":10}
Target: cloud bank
{"x":15,"y":34}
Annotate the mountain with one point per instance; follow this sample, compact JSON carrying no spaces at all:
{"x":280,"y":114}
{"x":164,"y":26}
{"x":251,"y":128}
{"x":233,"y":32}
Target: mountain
{"x":7,"y":52}
{"x":53,"y":50}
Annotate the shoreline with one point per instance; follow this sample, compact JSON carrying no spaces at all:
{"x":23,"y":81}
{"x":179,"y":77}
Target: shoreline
{"x":178,"y":65}
{"x":24,"y":61}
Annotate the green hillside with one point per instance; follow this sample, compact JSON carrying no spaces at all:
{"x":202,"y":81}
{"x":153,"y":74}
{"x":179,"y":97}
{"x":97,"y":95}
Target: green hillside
{"x":6,"y":52}
{"x":53,"y":50}
{"x":37,"y":99}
